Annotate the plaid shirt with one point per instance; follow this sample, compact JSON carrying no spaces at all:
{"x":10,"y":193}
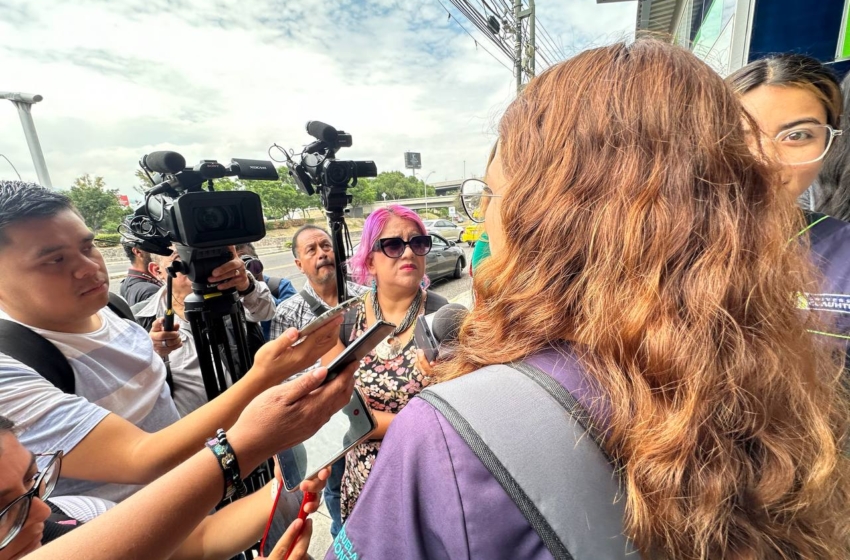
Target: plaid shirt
{"x":296,"y":312}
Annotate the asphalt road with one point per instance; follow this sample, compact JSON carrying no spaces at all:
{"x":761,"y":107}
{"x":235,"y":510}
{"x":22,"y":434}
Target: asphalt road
{"x":283,"y":264}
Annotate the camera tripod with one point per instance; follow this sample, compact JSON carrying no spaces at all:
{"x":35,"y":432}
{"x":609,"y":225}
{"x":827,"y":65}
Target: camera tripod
{"x":335,"y":202}
{"x":218,"y":326}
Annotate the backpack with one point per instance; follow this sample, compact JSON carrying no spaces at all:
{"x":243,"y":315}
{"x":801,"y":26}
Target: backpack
{"x":570,"y":493}
{"x":35,"y":351}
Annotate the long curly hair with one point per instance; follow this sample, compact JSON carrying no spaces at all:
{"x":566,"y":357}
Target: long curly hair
{"x":642,"y":230}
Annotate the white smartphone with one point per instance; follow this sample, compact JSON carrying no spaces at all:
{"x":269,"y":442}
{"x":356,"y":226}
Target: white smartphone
{"x":344,"y":430}
{"x":323,"y":319}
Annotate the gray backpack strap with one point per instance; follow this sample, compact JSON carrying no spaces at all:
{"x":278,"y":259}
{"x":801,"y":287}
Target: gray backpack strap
{"x":528,"y":431}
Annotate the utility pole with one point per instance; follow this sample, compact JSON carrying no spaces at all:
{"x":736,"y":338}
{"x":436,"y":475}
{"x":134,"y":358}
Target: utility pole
{"x":24,"y":102}
{"x":518,"y":49}
{"x":530,"y":48}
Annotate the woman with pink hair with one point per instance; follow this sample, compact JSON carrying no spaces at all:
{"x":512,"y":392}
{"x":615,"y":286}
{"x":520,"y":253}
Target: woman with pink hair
{"x":391,"y":261}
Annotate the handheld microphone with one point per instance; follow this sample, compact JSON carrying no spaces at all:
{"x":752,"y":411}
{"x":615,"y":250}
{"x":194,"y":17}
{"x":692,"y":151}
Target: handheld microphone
{"x":435,"y":333}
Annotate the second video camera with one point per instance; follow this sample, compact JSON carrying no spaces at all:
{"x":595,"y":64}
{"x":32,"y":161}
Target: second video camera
{"x":320,"y":171}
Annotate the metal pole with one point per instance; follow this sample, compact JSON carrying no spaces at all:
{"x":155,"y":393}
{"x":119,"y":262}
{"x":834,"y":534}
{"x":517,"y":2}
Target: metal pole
{"x":24,"y":111}
{"x":518,"y":50}
{"x":532,"y":49}
{"x":24,"y":102}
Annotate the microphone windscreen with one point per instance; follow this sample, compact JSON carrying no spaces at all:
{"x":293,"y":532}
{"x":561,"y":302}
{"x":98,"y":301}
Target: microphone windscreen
{"x":324,"y":132}
{"x":447,"y":321}
{"x":164,"y":162}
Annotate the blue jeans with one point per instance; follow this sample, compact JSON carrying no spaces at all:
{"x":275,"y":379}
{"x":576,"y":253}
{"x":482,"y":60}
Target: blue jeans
{"x":331,"y":495}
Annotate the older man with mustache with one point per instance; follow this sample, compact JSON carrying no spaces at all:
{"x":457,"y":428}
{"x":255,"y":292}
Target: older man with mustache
{"x":314,"y":257}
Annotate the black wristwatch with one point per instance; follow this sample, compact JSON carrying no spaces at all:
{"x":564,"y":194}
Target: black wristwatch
{"x":252,"y":285}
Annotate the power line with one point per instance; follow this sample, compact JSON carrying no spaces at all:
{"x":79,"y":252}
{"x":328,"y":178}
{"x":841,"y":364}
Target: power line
{"x":483,"y":26}
{"x":13,"y":166}
{"x":473,"y":37}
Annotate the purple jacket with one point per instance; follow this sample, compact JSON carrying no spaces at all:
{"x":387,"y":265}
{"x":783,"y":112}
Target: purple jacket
{"x":830,"y":242}
{"x":430,"y":497}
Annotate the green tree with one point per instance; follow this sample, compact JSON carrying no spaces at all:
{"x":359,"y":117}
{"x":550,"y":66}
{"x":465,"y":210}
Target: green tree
{"x":396,"y":184}
{"x":98,"y":205}
{"x":280,"y":198}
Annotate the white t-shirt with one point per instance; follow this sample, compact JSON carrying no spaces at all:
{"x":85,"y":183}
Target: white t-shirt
{"x":115,"y":370}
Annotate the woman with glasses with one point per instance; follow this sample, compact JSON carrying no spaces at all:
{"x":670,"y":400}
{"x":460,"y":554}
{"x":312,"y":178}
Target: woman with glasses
{"x":391,"y":262}
{"x":832,"y":193}
{"x":796,"y":104}
{"x":640,"y":272}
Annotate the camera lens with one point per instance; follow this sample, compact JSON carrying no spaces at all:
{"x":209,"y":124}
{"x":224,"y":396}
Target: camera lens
{"x":212,"y":218}
{"x":337,"y":172}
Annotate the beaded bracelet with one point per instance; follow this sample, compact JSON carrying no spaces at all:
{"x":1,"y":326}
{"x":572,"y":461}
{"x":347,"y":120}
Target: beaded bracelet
{"x":226,"y":457}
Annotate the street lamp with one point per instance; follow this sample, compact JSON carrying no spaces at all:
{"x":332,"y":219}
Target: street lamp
{"x":425,"y":186}
{"x":24,"y":102}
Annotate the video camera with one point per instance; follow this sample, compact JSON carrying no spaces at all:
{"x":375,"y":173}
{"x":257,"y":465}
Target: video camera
{"x":320,"y":171}
{"x":201,"y":224}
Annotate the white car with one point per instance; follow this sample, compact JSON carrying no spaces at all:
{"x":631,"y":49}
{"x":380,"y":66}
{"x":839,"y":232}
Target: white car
{"x":445,"y":228}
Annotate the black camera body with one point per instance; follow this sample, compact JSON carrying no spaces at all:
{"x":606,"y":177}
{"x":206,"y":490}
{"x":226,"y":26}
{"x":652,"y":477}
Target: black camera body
{"x":201,"y":224}
{"x":320,"y":171}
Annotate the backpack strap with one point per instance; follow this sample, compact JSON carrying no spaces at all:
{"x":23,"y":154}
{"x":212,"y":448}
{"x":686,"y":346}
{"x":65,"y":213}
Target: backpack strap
{"x":316,"y":306}
{"x":35,"y":351}
{"x":120,"y":307}
{"x":570,"y":493}
{"x":274,"y":284}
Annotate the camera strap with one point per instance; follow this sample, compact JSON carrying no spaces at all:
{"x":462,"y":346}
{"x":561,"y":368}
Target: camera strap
{"x":316,"y":306}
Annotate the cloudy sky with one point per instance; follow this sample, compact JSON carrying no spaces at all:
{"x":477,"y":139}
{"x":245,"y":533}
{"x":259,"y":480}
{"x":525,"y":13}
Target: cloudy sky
{"x":215,"y":79}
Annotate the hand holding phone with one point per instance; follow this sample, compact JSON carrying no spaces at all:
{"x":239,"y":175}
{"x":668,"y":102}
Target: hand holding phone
{"x":324,"y":318}
{"x":360,"y":348}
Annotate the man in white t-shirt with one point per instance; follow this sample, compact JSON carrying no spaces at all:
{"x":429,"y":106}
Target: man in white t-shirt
{"x":120,"y":428}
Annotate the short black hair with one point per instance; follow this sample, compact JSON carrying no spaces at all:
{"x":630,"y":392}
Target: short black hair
{"x":6,"y":425}
{"x":23,"y":201}
{"x":301,"y":230}
{"x":128,"y":250}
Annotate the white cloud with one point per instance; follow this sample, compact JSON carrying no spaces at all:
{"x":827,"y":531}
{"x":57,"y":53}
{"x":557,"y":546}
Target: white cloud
{"x":220,"y":79}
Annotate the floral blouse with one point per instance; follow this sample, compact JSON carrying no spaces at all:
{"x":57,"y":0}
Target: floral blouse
{"x":387,"y":385}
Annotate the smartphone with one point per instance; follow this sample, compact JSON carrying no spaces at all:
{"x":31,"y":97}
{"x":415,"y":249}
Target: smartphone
{"x":324,"y":318}
{"x":424,"y":338}
{"x":360,"y":348}
{"x":344,"y":430}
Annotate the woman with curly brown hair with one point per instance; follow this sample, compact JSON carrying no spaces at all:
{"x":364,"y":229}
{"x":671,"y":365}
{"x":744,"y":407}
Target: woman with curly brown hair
{"x":640,"y":258}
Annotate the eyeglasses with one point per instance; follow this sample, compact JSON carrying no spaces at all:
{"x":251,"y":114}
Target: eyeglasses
{"x":805,"y":144}
{"x":475,"y":195}
{"x":394,"y":247}
{"x":14,"y":516}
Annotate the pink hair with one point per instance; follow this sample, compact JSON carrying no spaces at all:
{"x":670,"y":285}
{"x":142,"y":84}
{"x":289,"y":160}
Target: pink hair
{"x":375,"y":223}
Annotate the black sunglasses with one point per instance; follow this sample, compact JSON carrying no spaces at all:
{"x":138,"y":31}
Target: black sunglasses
{"x":393,"y":247}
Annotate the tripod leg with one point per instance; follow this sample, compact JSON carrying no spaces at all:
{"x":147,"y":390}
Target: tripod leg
{"x":204,"y":350}
{"x":218,"y":341}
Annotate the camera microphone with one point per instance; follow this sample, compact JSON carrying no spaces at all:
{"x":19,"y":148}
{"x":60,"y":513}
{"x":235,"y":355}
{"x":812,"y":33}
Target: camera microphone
{"x":324,"y":132}
{"x":164,"y":162}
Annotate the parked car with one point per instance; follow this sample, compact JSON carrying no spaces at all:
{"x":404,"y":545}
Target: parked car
{"x":446,"y":260}
{"x":445,"y":228}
